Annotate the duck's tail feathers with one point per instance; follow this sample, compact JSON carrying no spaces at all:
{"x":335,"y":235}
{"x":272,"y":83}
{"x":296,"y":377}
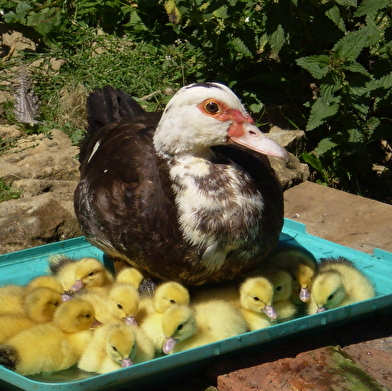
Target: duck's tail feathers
{"x":108,"y":105}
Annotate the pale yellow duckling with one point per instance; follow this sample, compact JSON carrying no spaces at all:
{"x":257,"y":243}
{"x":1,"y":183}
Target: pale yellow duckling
{"x":46,"y":281}
{"x":52,"y":346}
{"x":207,"y":322}
{"x":283,"y":287}
{"x":297,"y":261}
{"x":38,"y":306}
{"x":337,"y":283}
{"x":85,"y":273}
{"x":166,"y":294}
{"x":11,"y":325}
{"x":120,"y":303}
{"x":116,"y":346}
{"x":130,"y":275}
{"x":11,"y":300}
{"x":256,"y":302}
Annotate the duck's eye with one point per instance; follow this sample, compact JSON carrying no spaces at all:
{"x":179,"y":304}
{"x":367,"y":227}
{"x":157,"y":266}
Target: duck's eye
{"x":278,"y":288}
{"x":88,"y":316}
{"x":119,"y":306}
{"x":114,"y":348}
{"x":172,"y":301}
{"x":212,"y":107}
{"x":330,"y":297}
{"x":180,"y":327}
{"x":90,"y":274}
{"x":56,"y":303}
{"x":256,"y":298}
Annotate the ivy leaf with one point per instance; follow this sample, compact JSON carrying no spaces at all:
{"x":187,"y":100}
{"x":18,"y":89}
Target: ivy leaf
{"x":316,"y":65}
{"x":321,"y":111}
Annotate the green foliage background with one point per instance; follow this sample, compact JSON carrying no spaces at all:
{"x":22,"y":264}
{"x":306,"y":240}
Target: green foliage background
{"x":327,"y":64}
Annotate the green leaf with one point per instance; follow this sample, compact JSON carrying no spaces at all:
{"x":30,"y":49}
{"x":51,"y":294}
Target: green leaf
{"x":334,"y":14}
{"x":320,"y":112}
{"x":311,"y":159}
{"x":369,"y":6}
{"x":277,"y":39}
{"x":316,"y":65}
{"x":221,"y":12}
{"x":325,"y":145}
{"x":351,"y":45}
{"x":355,"y":136}
{"x":372,"y":123}
{"x":347,"y":2}
{"x":240,"y":47}
{"x":386,"y":81}
{"x":356,"y":67}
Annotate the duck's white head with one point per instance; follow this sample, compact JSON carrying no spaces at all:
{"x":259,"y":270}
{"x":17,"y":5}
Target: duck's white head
{"x":202,"y":115}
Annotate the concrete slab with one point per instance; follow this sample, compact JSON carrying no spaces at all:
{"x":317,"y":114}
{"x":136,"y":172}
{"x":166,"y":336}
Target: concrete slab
{"x":340,"y":217}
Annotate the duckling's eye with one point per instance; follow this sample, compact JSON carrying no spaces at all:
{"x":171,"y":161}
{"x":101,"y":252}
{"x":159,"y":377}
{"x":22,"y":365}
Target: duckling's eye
{"x":212,"y":107}
{"x":56,"y":303}
{"x":114,"y":348}
{"x":90,"y":274}
{"x":278,"y":288}
{"x":256,"y":298}
{"x":119,"y":306}
{"x":180,"y":327}
{"x":330,"y":297}
{"x":88,"y":316}
{"x":172,"y":301}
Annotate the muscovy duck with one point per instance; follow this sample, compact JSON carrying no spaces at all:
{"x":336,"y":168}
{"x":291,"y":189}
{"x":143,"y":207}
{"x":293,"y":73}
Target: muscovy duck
{"x":185,"y":195}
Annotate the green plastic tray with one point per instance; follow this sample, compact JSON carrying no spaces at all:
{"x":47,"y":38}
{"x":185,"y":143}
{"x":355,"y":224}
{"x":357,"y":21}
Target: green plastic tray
{"x":21,"y":266}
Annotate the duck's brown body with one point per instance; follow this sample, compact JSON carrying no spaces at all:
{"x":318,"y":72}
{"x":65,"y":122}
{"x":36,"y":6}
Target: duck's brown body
{"x":191,"y":219}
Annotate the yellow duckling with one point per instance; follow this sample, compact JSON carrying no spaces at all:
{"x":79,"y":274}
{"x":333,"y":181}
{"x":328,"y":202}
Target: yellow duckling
{"x":52,"y":346}
{"x":283,"y":287}
{"x":207,"y":322}
{"x":46,"y":281}
{"x":130,"y":275}
{"x":337,"y":283}
{"x":166,"y":294}
{"x":85,"y":273}
{"x":12,"y":297}
{"x":38,"y":306}
{"x":11,"y":325}
{"x":256,"y":302}
{"x":116,"y":346}
{"x":300,"y":263}
{"x":121,"y":303}
{"x":11,"y":300}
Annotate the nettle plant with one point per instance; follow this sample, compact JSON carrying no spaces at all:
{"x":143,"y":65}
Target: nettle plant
{"x":330,"y":60}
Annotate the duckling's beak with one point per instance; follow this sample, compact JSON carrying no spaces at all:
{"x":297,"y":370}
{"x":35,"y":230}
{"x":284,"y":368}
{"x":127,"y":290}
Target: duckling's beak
{"x":169,"y":344}
{"x":130,"y":321}
{"x":77,"y":286}
{"x":66,"y":296}
{"x":304,"y":294}
{"x":270,"y":312}
{"x":126,"y":362}
{"x":96,"y":323}
{"x":320,"y":309}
